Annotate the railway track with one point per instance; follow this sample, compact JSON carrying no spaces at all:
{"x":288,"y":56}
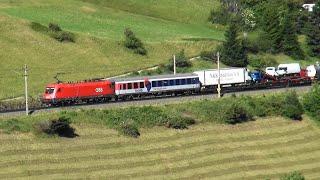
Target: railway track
{"x":153,"y":101}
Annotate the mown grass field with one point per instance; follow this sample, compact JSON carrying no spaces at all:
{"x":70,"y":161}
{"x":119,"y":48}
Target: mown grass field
{"x":266,"y":148}
{"x":98,"y":51}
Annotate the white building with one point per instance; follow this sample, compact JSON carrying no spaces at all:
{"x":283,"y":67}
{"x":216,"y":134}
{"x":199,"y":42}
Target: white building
{"x":308,"y":7}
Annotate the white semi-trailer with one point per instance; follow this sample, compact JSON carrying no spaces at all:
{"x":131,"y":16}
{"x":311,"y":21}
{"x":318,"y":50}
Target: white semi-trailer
{"x":228,"y":76}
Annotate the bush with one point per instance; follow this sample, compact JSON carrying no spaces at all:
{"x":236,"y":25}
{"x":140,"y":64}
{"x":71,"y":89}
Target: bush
{"x":63,"y":36}
{"x":293,"y":176}
{"x":181,"y":61}
{"x":14,"y":125}
{"x":60,"y":127}
{"x":39,"y":27}
{"x":132,"y":42}
{"x":54,"y":27}
{"x":261,"y":61}
{"x":180,"y":123}
{"x":237,"y":112}
{"x":311,"y":102}
{"x":292,"y":108}
{"x":128,"y":129}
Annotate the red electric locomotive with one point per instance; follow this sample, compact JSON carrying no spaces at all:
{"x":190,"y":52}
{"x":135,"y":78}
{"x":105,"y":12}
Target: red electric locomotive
{"x":77,"y":92}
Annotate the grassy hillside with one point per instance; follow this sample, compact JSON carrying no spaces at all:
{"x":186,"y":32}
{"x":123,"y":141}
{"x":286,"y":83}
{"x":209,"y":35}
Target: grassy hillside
{"x":98,"y":51}
{"x":266,"y":148}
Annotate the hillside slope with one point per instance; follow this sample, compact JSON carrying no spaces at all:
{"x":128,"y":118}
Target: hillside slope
{"x":98,"y":51}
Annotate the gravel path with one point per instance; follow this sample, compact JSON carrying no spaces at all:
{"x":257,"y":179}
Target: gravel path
{"x":159,"y":101}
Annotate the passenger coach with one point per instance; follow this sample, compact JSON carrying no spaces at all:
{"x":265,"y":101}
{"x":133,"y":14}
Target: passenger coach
{"x":156,"y":85}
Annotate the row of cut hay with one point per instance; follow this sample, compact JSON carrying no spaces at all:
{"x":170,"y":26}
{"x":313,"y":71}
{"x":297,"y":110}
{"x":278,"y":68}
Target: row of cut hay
{"x":190,"y":157}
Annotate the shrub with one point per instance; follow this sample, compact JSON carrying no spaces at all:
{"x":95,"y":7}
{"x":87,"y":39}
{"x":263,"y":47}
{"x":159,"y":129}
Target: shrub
{"x":141,"y":51}
{"x":292,"y":108}
{"x":236,"y":112}
{"x":179,"y":123}
{"x":261,"y":61}
{"x":39,"y":27}
{"x":128,"y":129}
{"x":60,"y":127}
{"x":54,"y":27}
{"x":311,"y":102}
{"x":132,"y":42}
{"x":295,"y":175}
{"x":63,"y":36}
{"x":14,"y":125}
{"x":181,"y":61}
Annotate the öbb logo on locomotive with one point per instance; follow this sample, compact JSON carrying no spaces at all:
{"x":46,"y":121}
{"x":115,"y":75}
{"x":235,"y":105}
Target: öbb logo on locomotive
{"x":99,"y":90}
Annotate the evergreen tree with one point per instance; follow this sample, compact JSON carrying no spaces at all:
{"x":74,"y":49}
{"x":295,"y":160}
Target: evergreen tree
{"x":271,"y":24}
{"x":233,"y":51}
{"x":291,"y":46}
{"x":313,"y":31}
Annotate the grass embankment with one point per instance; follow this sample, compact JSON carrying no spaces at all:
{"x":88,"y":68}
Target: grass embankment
{"x":98,"y":50}
{"x":268,"y":147}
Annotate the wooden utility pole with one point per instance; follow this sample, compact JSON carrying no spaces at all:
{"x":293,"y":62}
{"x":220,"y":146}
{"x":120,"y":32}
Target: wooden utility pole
{"x":219,"y":88}
{"x":26,"y":87}
{"x":174,"y":64}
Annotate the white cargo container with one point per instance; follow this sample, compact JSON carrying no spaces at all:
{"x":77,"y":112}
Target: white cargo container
{"x":228,"y":76}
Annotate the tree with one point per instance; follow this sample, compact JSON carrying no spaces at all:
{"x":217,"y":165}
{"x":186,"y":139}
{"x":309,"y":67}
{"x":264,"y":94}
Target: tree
{"x":291,"y":46}
{"x":313,"y":31}
{"x":132,"y":42}
{"x":181,"y":61}
{"x":271,"y":23}
{"x":233,"y":50}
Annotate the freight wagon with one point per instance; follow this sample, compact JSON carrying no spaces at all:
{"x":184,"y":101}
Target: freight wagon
{"x":228,"y":77}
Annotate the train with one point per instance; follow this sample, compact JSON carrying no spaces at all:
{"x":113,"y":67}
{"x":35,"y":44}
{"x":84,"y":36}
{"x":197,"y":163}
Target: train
{"x":203,"y":81}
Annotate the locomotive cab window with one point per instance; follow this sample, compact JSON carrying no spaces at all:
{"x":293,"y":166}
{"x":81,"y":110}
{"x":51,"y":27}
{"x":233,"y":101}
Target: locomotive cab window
{"x":49,"y":90}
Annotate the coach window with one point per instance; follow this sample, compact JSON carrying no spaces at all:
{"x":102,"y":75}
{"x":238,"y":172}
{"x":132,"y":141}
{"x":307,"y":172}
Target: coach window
{"x":183,"y":81}
{"x":154,"y":83}
{"x":160,"y":83}
{"x":124,"y":86}
{"x":135,"y":85}
{"x":129,"y":86}
{"x":141,"y":85}
{"x":177,"y":81}
{"x":171,"y":82}
{"x":165,"y":83}
{"x":188,"y":81}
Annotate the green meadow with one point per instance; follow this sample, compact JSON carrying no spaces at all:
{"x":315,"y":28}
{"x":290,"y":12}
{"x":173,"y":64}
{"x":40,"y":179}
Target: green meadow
{"x":99,"y":26}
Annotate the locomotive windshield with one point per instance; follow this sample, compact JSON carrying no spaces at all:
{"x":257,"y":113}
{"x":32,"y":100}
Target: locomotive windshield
{"x":49,"y":90}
